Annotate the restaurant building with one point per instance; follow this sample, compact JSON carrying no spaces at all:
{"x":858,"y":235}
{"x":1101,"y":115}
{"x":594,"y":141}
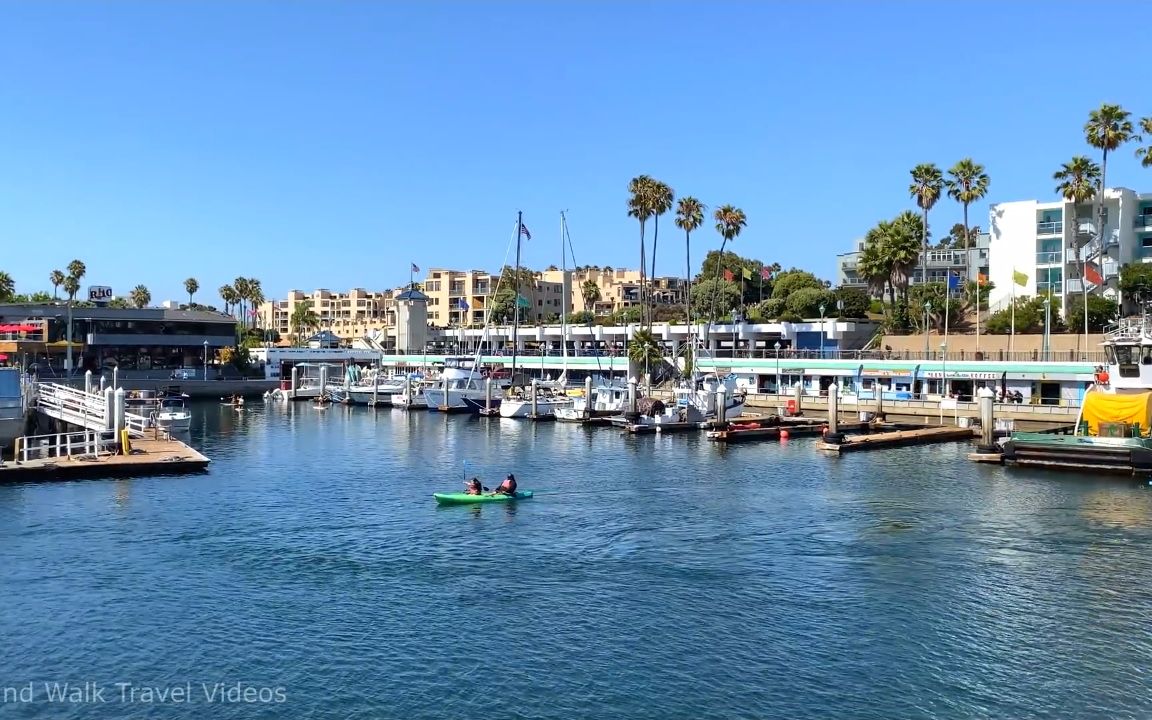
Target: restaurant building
{"x":102,"y":337}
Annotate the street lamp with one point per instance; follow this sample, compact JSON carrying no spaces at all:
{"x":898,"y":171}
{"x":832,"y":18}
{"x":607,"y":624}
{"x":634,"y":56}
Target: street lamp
{"x":822,"y":330}
{"x":205,"y":361}
{"x":777,"y":346}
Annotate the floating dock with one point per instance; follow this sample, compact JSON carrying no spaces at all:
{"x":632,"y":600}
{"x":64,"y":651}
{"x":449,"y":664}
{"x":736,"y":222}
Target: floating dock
{"x":741,"y":432}
{"x":896,"y":438}
{"x":148,"y":456}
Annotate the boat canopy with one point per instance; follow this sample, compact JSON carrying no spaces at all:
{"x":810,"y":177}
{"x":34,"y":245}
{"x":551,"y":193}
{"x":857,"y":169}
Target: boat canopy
{"x":1128,"y":408}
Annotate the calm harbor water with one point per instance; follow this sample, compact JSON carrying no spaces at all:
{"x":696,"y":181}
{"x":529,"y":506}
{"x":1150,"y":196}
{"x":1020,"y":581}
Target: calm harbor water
{"x":651,"y":577}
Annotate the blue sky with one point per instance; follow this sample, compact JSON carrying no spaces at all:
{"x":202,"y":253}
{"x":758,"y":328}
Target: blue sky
{"x":330,"y":144}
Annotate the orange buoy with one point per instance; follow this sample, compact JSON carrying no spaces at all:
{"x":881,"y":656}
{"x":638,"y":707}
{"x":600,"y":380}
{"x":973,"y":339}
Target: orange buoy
{"x":784,"y":435}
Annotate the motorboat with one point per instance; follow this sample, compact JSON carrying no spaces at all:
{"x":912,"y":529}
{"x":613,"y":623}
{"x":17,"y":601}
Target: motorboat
{"x":694,"y":400}
{"x":544,"y":398}
{"x":173,"y":415}
{"x":461,"y":385}
{"x":607,"y":399}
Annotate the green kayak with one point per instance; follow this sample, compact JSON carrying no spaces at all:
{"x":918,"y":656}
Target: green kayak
{"x":466,"y":499}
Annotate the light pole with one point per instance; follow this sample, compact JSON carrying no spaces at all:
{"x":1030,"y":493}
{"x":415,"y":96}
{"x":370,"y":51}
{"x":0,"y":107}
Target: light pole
{"x":822,"y":329}
{"x":205,"y":361}
{"x":927,"y":308}
{"x":777,"y":346}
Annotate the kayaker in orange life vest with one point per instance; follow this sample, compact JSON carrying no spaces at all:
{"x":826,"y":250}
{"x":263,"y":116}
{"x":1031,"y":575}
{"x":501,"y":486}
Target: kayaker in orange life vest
{"x":474,"y":487}
{"x":508,"y":487}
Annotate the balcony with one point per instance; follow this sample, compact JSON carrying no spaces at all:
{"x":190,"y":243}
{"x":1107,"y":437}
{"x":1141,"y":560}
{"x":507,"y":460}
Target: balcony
{"x":1049,"y":258}
{"x":1085,"y":228}
{"x":848,"y":264}
{"x":1145,"y":253}
{"x":938,"y":259}
{"x":1056,"y":288}
{"x":1142,"y":222}
{"x":1049,"y":228}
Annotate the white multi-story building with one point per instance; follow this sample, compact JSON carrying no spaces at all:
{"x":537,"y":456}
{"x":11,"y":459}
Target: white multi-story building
{"x":1045,"y":241}
{"x":966,"y":263}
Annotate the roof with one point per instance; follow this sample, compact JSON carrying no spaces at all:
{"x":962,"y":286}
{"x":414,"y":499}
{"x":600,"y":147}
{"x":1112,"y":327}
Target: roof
{"x":325,"y":336}
{"x":411,"y":295}
{"x":59,"y":309}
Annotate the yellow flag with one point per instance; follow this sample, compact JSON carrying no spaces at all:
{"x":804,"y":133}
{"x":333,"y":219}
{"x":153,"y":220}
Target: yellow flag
{"x":747,"y":274}
{"x":1019,"y":278}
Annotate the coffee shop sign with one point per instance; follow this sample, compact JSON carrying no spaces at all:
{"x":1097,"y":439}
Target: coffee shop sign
{"x":961,"y":375}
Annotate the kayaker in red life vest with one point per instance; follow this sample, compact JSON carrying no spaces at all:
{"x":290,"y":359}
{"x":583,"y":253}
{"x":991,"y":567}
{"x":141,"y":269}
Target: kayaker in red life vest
{"x":474,"y":487}
{"x":508,"y":487}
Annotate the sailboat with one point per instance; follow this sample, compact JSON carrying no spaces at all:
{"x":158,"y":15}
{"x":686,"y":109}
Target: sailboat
{"x":546,"y":396}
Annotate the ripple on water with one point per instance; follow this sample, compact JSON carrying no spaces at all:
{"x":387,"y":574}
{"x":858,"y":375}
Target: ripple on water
{"x":650,"y":577}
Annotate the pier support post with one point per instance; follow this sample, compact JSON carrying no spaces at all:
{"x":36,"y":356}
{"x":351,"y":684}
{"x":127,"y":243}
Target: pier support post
{"x":88,"y":382}
{"x":985,"y":401}
{"x":109,"y":409}
{"x":535,"y":392}
{"x":632,"y":396}
{"x":115,"y":377}
{"x":323,"y":380}
{"x":833,"y":408}
{"x":798,"y":396}
{"x":376,"y":387}
{"x":488,"y":395}
{"x":103,"y":384}
{"x":588,"y":397}
{"x":879,"y":401}
{"x":407,"y":391}
{"x":295,"y":380}
{"x":118,"y":412}
{"x":447,"y":395}
{"x":721,"y":404}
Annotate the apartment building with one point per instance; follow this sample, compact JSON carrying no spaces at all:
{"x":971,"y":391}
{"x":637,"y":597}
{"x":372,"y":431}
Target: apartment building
{"x":463,"y":297}
{"x":967,"y":263}
{"x":351,"y":314}
{"x":1046,"y":241}
{"x":615,"y":289}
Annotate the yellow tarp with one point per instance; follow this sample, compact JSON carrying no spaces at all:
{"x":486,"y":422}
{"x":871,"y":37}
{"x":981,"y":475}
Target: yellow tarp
{"x":1126,"y":408}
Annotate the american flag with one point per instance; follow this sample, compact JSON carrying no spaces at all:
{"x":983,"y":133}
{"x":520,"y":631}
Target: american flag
{"x":524,"y":231}
{"x":415,"y":268}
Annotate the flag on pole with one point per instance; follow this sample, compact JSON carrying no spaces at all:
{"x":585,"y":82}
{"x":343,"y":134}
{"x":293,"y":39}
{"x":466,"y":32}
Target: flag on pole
{"x":953,"y":281}
{"x":1019,"y":278}
{"x":981,"y":279}
{"x":524,"y":231}
{"x":747,"y":274}
{"x":415,"y":268}
{"x":522,"y":301}
{"x":729,"y":276}
{"x":1092,"y":274}
{"x":463,"y":304}
{"x":765,"y":274}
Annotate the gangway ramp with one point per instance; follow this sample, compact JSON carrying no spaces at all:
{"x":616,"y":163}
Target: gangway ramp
{"x":86,"y":410}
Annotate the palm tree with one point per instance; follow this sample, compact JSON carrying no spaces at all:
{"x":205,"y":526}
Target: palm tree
{"x":874,"y":266}
{"x":662,"y":197}
{"x":241,"y":286}
{"x":71,"y":286}
{"x":960,"y":237}
{"x":77,"y":270}
{"x":303,"y":318}
{"x":644,"y":351}
{"x":689,"y":217}
{"x":967,"y":183}
{"x":902,"y":239}
{"x":1145,"y":153}
{"x":590,"y":291}
{"x":140,"y":296}
{"x":7,"y":287}
{"x":640,"y":206}
{"x":730,"y":221}
{"x":927,"y":184}
{"x":191,"y":285}
{"x":1108,"y":128}
{"x":229,"y":296}
{"x":255,"y":298}
{"x":1078,"y":180}
{"x":57,"y":279}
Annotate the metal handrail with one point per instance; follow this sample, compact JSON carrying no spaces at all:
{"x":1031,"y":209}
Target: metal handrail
{"x":87,"y":442}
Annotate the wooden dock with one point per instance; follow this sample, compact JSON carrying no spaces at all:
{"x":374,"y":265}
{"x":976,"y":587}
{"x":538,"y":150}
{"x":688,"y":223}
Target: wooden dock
{"x":737,"y":432}
{"x":150,"y":456}
{"x":897,"y":438}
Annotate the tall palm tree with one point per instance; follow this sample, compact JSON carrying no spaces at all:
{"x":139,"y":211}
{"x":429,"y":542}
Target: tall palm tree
{"x":140,"y":296}
{"x":1108,"y":128}
{"x":730,"y":220}
{"x":927,"y":184}
{"x":590,"y":291}
{"x":303,"y":318}
{"x":641,"y":204}
{"x":689,"y":217}
{"x":7,"y":287}
{"x":902,"y":238}
{"x":1078,"y":180}
{"x":255,"y":298}
{"x":191,"y":285}
{"x":967,"y":183}
{"x":57,"y":279}
{"x":874,"y":266}
{"x":1145,"y":153}
{"x":229,"y":296}
{"x":662,"y":196}
{"x":242,"y":288}
{"x":77,"y":269}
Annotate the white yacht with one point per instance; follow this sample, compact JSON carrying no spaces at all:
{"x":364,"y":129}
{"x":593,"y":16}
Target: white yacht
{"x":412,"y":397}
{"x":465,"y":384}
{"x":550,"y":397}
{"x":608,"y":398}
{"x":173,"y":415}
{"x":695,"y":401}
{"x":380,"y":387}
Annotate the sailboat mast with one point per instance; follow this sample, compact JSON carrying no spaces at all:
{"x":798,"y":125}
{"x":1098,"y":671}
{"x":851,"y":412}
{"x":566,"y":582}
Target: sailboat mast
{"x":516,"y":294}
{"x":564,"y":295}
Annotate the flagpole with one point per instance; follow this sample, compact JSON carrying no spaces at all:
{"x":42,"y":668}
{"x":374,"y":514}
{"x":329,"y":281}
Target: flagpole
{"x":1012,"y":336}
{"x":947,"y":305}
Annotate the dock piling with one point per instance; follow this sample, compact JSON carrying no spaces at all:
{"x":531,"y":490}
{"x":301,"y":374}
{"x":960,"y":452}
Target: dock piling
{"x":447,"y":395}
{"x":833,"y":409}
{"x":88,"y":382}
{"x":109,"y":409}
{"x":879,"y":401}
{"x":588,"y":397}
{"x":115,"y":376}
{"x":295,"y":380}
{"x":985,"y":400}
{"x":118,"y":411}
{"x":323,"y":380}
{"x":535,"y":390}
{"x":487,"y":395}
{"x":632,"y":396}
{"x":798,"y":396}
{"x":721,"y":404}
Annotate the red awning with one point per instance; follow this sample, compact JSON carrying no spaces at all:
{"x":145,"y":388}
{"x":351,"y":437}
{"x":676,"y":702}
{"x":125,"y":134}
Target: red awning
{"x":26,"y":328}
{"x":7,"y":328}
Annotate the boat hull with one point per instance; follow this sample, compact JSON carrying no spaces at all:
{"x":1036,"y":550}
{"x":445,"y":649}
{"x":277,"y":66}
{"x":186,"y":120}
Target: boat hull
{"x":466,"y":499}
{"x":1131,"y":456}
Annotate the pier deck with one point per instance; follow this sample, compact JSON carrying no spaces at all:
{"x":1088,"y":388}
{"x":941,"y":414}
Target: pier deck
{"x":150,"y":456}
{"x":897,"y":438}
{"x":772,"y":432}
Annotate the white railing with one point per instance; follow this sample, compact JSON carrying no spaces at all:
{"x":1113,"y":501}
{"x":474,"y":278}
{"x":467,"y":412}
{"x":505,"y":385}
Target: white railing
{"x":94,"y":443}
{"x":1136,"y":328}
{"x":71,"y":405}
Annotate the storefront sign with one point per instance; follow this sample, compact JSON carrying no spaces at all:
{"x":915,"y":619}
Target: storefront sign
{"x":937,"y":374}
{"x":884,"y":372}
{"x":99,"y":293}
